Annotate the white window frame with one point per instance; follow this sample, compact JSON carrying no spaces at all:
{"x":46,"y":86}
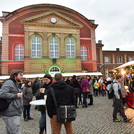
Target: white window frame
{"x":84,"y":54}
{"x":36,"y":47}
{"x":54,"y":48}
{"x":70,"y":48}
{"x":107,"y":59}
{"x":119,"y":59}
{"x":19,"y":52}
{"x":130,"y":58}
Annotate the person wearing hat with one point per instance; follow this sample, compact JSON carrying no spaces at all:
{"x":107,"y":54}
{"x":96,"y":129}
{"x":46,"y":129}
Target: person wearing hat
{"x":47,"y":80}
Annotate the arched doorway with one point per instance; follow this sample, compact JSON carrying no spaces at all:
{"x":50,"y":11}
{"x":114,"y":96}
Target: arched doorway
{"x":53,"y":70}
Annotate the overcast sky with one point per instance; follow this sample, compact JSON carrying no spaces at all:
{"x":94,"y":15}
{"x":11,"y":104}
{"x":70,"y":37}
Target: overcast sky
{"x":115,"y":18}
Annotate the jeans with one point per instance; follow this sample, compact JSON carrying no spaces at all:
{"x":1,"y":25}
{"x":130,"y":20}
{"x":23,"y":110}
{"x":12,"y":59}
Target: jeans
{"x":96,"y":92}
{"x":12,"y":124}
{"x":91,"y":98}
{"x":42,"y":122}
{"x":56,"y":127}
{"x":118,"y":107}
{"x":85,"y":99}
{"x":26,"y":111}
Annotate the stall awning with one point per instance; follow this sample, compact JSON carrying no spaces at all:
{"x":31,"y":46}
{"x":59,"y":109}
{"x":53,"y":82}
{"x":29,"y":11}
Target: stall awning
{"x":52,"y":74}
{"x":130,"y":63}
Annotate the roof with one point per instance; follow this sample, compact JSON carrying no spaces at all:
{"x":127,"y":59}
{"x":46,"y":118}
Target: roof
{"x":53,"y":6}
{"x":130,"y":63}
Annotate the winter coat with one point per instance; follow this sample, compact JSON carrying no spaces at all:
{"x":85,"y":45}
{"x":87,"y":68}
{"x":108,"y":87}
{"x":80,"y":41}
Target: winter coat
{"x":9,"y":91}
{"x":91,"y":86}
{"x":27,"y":95}
{"x":64,"y":96}
{"x":117,"y":89}
{"x":96,"y":85}
{"x":42,"y":108}
{"x":123,"y":90}
{"x":36,"y":85}
{"x":84,"y":85}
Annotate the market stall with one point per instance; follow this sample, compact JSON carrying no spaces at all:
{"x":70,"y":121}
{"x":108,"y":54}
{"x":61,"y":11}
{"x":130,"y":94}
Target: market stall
{"x":127,"y":70}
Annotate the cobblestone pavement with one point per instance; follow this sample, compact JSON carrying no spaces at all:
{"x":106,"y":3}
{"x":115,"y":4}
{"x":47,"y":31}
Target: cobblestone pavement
{"x":96,"y":119}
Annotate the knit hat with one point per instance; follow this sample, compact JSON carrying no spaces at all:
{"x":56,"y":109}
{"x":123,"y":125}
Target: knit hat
{"x":48,"y":76}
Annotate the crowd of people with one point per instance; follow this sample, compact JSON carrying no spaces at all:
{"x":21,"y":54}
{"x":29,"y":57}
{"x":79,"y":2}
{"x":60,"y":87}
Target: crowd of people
{"x":68,"y":90}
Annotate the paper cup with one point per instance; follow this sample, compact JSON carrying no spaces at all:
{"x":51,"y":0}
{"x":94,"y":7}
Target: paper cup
{"x":45,"y":97}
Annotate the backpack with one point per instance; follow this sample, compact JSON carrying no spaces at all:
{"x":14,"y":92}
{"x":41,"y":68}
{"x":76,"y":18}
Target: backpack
{"x":4,"y":103}
{"x":111,"y":91}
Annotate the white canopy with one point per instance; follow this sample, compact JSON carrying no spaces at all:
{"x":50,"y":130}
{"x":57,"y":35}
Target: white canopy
{"x":130,"y":63}
{"x":52,"y":74}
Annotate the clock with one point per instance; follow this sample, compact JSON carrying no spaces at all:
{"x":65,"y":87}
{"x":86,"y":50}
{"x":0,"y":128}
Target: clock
{"x":53,"y":20}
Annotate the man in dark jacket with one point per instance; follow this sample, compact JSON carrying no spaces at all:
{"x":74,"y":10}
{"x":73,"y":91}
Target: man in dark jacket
{"x":64,"y":96}
{"x":10,"y":90}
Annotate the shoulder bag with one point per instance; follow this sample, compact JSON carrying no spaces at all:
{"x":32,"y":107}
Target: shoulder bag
{"x":64,"y":112}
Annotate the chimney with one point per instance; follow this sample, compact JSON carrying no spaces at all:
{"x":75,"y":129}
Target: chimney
{"x":117,"y":49}
{"x":100,"y":41}
{"x":5,"y":13}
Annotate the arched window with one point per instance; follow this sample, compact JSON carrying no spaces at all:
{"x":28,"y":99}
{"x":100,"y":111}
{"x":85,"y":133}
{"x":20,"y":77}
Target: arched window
{"x":70,"y":47}
{"x":83,"y":51}
{"x":54,"y":47}
{"x":36,"y":47}
{"x":54,"y":69}
{"x":19,"y":52}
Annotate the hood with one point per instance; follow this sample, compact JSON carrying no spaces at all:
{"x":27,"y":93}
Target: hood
{"x":59,"y":85}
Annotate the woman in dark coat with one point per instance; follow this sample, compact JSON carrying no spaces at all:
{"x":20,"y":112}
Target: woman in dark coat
{"x":47,"y":80}
{"x":27,"y":97}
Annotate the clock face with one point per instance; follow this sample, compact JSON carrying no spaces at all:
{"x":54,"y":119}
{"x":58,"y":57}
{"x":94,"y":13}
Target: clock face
{"x":53,"y":20}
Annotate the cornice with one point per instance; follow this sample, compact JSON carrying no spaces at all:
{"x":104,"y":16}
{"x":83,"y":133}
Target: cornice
{"x":42,"y":15}
{"x":50,"y":25}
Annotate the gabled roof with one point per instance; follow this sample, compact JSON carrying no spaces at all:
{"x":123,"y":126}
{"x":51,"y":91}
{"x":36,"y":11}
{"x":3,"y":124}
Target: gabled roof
{"x":32,"y":19}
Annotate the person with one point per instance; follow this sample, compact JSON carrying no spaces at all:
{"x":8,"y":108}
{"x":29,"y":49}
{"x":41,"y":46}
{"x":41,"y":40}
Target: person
{"x":117,"y":101}
{"x":47,"y":81}
{"x":91,"y":89}
{"x":123,"y":91}
{"x":68,"y":80}
{"x":64,"y":96}
{"x":35,"y":86}
{"x":11,"y":91}
{"x":27,"y":97}
{"x":84,"y":85}
{"x":100,"y":82}
{"x":80,"y":98}
{"x":103,"y":89}
{"x":109,"y":81}
{"x":131,"y":85}
{"x":75,"y":84}
{"x":96,"y":88}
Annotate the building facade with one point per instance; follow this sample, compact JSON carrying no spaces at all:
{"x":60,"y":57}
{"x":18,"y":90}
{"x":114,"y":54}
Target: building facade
{"x":107,"y":60}
{"x":47,"y":38}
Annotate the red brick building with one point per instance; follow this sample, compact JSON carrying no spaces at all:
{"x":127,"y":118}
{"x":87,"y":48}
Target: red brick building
{"x":108,"y":59}
{"x":47,"y":38}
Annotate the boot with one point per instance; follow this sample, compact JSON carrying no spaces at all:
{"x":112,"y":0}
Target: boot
{"x":29,"y":118}
{"x":40,"y":132}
